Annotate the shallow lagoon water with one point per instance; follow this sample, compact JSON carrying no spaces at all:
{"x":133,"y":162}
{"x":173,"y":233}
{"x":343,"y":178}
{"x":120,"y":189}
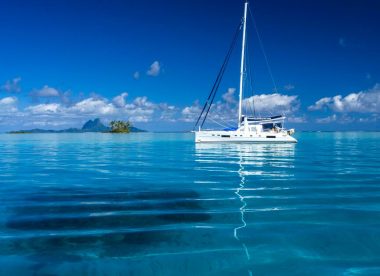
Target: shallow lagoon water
{"x":157,"y":204}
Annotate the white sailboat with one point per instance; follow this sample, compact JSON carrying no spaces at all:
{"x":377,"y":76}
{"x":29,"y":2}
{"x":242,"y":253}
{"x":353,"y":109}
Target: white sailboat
{"x":249,"y":129}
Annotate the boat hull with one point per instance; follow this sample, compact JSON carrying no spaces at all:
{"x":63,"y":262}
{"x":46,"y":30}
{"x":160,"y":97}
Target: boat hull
{"x":242,"y":137}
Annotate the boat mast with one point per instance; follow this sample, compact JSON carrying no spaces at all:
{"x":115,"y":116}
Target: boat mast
{"x":242,"y":63}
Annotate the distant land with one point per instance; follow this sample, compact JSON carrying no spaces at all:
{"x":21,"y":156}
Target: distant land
{"x":90,"y":126}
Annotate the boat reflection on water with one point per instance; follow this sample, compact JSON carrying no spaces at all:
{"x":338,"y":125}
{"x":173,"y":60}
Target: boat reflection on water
{"x":251,"y":159}
{"x":257,"y":168}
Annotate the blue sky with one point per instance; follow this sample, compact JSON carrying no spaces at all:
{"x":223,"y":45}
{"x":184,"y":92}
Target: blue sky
{"x":154,"y":62}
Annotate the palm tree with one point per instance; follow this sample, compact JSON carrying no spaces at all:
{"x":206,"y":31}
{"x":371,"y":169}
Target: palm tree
{"x":120,"y":126}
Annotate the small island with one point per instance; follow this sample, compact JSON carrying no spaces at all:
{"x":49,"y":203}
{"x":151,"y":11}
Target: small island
{"x":120,"y":127}
{"x":90,"y":126}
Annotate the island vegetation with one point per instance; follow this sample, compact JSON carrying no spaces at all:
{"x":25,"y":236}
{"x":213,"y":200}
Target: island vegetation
{"x":90,"y":126}
{"x":120,"y":126}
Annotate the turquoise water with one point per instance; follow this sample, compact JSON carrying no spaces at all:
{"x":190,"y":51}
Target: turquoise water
{"x":157,"y":204}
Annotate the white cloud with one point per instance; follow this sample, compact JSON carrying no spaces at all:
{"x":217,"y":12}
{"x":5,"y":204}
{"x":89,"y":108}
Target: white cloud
{"x":93,"y":106}
{"x":342,"y":42}
{"x":137,"y":110}
{"x":225,"y":111}
{"x":46,"y":91}
{"x":44,"y":108}
{"x":362,"y":102}
{"x":327,"y":119}
{"x":154,"y":69}
{"x":65,"y":97}
{"x":228,"y":97}
{"x":191,"y":113}
{"x":143,"y":102}
{"x":8,"y":101}
{"x":59,"y":114}
{"x":289,"y":87}
{"x":141,"y":110}
{"x":87,"y":107}
{"x":12,"y":85}
{"x":168,"y":112}
{"x":373,"y":118}
{"x":297,"y":120}
{"x":273,"y":103}
{"x":320,"y":104}
{"x":120,"y":100}
{"x":136,"y":75}
{"x":8,"y":105}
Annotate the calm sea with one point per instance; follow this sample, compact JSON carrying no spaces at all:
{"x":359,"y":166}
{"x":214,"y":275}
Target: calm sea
{"x":157,"y":204}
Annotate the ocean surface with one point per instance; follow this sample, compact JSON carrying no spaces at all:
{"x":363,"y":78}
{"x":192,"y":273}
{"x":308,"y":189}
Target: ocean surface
{"x":157,"y":204}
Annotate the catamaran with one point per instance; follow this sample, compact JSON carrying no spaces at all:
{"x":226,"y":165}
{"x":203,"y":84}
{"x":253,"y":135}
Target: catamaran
{"x":250,"y":129}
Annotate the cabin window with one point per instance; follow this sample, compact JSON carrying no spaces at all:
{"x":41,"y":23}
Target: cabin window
{"x":271,"y":136}
{"x":226,"y":136}
{"x":272,"y":126}
{"x":268,"y":126}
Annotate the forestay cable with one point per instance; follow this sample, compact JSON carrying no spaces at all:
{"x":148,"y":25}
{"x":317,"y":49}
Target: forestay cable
{"x":215,"y":87}
{"x":263,"y":50}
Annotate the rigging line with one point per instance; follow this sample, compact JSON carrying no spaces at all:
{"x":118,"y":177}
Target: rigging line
{"x":211,"y":93}
{"x":252,"y":90}
{"x":209,"y":96}
{"x":228,"y":124}
{"x":263,"y":50}
{"x":245,"y":85}
{"x":216,"y":85}
{"x":218,"y":123}
{"x":220,"y":72}
{"x":245,"y":74}
{"x":212,"y":100}
{"x":251,"y":106}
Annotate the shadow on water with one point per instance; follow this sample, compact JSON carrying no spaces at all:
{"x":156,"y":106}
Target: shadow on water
{"x":54,"y":225}
{"x":71,"y":224}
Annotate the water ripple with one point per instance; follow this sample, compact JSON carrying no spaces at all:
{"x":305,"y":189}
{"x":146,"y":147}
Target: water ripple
{"x":158,"y":204}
